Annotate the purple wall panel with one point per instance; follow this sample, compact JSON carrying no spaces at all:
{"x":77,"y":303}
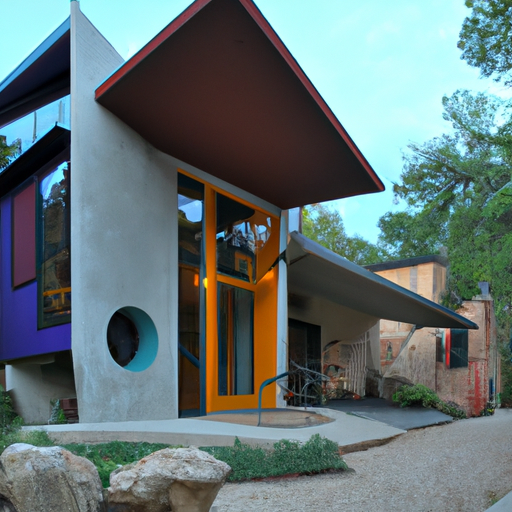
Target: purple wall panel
{"x":19,"y":336}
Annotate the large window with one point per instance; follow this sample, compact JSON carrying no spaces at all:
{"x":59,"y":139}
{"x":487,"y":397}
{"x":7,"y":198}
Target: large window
{"x":242,"y":235}
{"x":54,"y":261}
{"x":191,"y":293}
{"x":28,"y":129}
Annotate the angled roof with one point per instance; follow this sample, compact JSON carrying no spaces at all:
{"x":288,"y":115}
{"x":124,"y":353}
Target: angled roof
{"x":408,"y":262}
{"x":42,"y":77}
{"x":218,"y":89}
{"x":318,"y":271}
{"x":50,"y":145}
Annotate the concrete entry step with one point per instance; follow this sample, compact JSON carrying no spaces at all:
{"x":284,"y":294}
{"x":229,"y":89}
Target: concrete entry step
{"x":275,"y":418}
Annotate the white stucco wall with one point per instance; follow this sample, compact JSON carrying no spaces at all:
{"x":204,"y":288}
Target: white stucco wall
{"x":124,"y":228}
{"x":337,"y":322}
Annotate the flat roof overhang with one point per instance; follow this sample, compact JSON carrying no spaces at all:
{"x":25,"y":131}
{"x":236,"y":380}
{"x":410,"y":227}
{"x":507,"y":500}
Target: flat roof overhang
{"x":49,"y":146}
{"x":44,"y":76}
{"x":315,"y":270}
{"x":218,"y":89}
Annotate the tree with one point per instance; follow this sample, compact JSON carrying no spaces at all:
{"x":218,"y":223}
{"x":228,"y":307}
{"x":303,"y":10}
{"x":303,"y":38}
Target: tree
{"x":7,"y":152}
{"x":325,"y":226}
{"x":459,"y":194}
{"x":407,"y":235}
{"x":485,"y":38}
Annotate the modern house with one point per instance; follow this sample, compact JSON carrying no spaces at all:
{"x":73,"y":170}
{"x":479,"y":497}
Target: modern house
{"x":461,"y":366}
{"x":146,"y":261}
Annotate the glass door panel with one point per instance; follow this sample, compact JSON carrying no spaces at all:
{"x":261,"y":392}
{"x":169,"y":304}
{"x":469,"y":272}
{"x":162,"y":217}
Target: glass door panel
{"x":236,"y":340}
{"x":191,"y":296}
{"x":227,"y":300}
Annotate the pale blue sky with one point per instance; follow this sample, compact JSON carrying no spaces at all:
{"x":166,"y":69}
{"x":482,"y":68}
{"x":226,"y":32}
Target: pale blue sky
{"x":381,"y":65}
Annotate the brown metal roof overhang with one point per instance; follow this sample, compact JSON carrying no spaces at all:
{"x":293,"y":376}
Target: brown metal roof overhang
{"x":218,"y":89}
{"x":315,"y":270}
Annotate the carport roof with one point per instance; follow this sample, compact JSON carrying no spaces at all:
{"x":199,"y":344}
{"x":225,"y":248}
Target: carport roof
{"x":219,"y":90}
{"x":315,"y":270}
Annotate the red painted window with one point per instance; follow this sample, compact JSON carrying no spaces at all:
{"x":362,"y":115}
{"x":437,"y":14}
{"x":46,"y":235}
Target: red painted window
{"x":24,"y":236}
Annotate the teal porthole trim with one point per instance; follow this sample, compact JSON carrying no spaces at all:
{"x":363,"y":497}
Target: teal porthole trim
{"x":141,"y":333}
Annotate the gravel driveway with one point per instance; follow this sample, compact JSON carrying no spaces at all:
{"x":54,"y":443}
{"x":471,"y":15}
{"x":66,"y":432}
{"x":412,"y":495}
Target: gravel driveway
{"x":463,"y":466}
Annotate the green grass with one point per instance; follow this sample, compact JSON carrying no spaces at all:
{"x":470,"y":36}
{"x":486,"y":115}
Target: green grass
{"x":287,"y":457}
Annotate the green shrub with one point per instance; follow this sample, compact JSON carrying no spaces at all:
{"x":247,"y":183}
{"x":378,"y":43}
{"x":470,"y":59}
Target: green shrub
{"x":415,"y":395}
{"x":506,"y":375}
{"x":57,"y":416}
{"x":316,"y":455}
{"x":9,"y":420}
{"x":426,"y":397}
{"x":109,"y":456}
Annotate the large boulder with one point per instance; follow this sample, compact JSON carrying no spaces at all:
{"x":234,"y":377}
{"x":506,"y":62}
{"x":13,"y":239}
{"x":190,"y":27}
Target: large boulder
{"x":43,"y":479}
{"x":180,"y":479}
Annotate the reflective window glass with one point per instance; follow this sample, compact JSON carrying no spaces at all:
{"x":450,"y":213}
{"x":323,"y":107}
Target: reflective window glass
{"x":242,"y":233}
{"x":28,"y":129}
{"x":191,"y":268}
{"x":55,"y":259}
{"x":236,"y":340}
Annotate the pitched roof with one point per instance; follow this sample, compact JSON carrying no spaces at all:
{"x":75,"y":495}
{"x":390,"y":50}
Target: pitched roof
{"x":219,"y":90}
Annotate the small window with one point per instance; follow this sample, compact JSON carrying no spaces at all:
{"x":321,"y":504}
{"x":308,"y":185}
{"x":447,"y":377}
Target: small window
{"x":24,"y":236}
{"x":458,"y":348}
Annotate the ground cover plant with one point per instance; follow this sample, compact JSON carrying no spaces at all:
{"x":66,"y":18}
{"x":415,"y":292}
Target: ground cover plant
{"x":316,"y":455}
{"x":287,"y":457}
{"x":426,"y":397}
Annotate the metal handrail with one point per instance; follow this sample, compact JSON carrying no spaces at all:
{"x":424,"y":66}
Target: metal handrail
{"x":264,"y":384}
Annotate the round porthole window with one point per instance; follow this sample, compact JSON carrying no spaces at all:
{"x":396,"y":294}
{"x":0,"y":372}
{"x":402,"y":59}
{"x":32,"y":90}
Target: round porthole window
{"x":132,"y":339}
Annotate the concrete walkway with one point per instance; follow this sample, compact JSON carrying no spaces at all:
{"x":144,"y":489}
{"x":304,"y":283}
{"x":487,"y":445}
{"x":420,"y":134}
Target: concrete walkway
{"x":353,"y":425}
{"x":350,"y":432}
{"x":504,"y":505}
{"x":405,"y":418}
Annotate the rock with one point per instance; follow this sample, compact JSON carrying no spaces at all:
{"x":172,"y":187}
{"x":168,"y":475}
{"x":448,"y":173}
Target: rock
{"x":6,"y":506}
{"x":48,"y":479}
{"x":181,"y":480}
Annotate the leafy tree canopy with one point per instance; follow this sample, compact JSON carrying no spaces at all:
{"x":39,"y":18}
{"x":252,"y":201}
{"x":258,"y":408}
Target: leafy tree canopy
{"x":407,"y":235}
{"x":458,"y":192}
{"x":485,"y":38}
{"x":325,"y":226}
{"x":7,"y":152}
